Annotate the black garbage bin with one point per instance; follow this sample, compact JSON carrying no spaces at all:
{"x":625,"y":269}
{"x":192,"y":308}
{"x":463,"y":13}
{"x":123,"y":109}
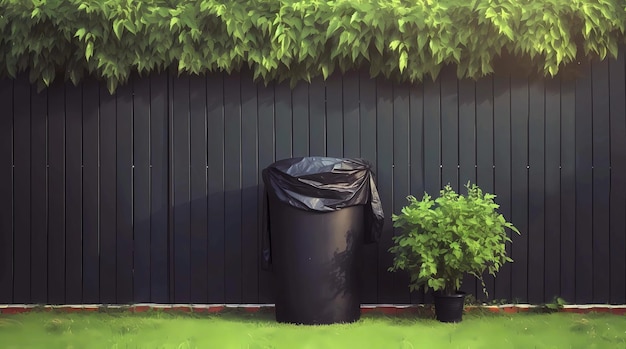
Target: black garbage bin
{"x":320,"y":212}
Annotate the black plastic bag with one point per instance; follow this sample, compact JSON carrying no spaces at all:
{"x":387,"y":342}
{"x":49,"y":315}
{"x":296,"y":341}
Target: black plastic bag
{"x":324,"y":184}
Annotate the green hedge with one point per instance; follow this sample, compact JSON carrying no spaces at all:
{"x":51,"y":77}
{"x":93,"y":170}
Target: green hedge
{"x":283,"y":39}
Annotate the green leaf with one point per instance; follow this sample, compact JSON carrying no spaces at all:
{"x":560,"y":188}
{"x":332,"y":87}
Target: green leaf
{"x":404,"y":59}
{"x":118,"y":26}
{"x":89,"y":50}
{"x":173,"y":22}
{"x":394,"y":44}
{"x":80,"y":33}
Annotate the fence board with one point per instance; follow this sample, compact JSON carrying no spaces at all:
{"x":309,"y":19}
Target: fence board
{"x":568,"y":191}
{"x":232,"y":182}
{"x":584,"y":185}
{"x":317,"y":119}
{"x":367,"y":122}
{"x":536,"y":194}
{"x":182,"y":213}
{"x":283,"y":121}
{"x":401,"y":173}
{"x":552,"y":189}
{"x":351,"y":126}
{"x":334,"y":117}
{"x":56,"y":194}
{"x":124,"y":243}
{"x":73,"y":195}
{"x":215,"y":122}
{"x":617,"y":109}
{"x":416,"y":161}
{"x":449,"y":129}
{"x":467,"y":149}
{"x":91,"y":206}
{"x":21,"y":185}
{"x":485,"y":156}
{"x":108,"y":194}
{"x":300,"y":100}
{"x":601,"y":181}
{"x":159,"y":289}
{"x":384,"y":170}
{"x":505,"y":91}
{"x":6,"y":191}
{"x":249,"y":183}
{"x":198,"y":190}
{"x":266,"y":157}
{"x":432,"y":135}
{"x":39,"y":197}
{"x":141,"y":190}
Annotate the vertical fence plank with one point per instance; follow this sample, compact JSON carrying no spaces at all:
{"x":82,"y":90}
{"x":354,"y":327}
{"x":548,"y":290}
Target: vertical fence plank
{"x":215,"y":144}
{"x":266,"y":157}
{"x":506,"y":91}
{"x":334,"y":117}
{"x":536,"y":190}
{"x":449,"y":129}
{"x":39,"y":197}
{"x":351,"y":126}
{"x":416,"y":140}
{"x":141,"y":190}
{"x":568,"y":190}
{"x":159,"y":290}
{"x":384,"y":144}
{"x":317,"y":117}
{"x":249,"y":183}
{"x":73,"y":195}
{"x":467,"y":132}
{"x":21,"y":187}
{"x":584,"y":186}
{"x":124,"y":183}
{"x":617,"y":194}
{"x":432,"y":138}
{"x":91,"y":161}
{"x":601,"y":180}
{"x":6,"y":191}
{"x":198,"y":196}
{"x":232,"y":182}
{"x":367,"y":122}
{"x":467,"y":149}
{"x":56,"y":194}
{"x":485,"y":155}
{"x":300,"y":100}
{"x":432,"y":142}
{"x":182,"y":213}
{"x":401,"y":174}
{"x":283,"y":121}
{"x":552,"y":189}
{"x":108,"y":194}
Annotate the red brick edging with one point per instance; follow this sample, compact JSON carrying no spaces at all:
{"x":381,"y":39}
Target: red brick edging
{"x":380,"y":308}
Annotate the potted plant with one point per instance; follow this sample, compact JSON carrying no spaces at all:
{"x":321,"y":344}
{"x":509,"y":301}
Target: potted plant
{"x":441,"y":240}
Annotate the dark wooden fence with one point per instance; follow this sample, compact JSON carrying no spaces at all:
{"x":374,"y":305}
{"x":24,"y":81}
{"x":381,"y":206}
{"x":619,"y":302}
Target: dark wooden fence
{"x":154,"y":194}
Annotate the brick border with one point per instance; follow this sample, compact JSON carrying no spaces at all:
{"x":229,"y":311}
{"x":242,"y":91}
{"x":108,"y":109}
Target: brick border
{"x":389,"y":309}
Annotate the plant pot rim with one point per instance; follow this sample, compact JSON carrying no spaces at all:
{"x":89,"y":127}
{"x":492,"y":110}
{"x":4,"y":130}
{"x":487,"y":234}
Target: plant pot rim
{"x":456,"y":294}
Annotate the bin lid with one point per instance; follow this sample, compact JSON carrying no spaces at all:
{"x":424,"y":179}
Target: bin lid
{"x":326,"y":184}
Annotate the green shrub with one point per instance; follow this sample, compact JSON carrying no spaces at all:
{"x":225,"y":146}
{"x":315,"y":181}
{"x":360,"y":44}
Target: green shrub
{"x":440,"y":240}
{"x":298,"y":40}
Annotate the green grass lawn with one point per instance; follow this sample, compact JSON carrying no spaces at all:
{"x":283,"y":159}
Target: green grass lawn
{"x":237,"y":329}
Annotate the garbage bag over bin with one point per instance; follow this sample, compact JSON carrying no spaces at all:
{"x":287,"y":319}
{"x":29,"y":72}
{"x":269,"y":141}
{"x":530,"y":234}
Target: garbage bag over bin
{"x":319,"y":212}
{"x":325,"y":184}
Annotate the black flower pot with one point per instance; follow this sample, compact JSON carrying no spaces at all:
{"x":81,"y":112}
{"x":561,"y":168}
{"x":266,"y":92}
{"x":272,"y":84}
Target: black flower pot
{"x":449,"y":307}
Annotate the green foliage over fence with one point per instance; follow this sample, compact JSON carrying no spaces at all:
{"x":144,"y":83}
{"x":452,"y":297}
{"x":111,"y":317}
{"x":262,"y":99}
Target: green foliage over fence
{"x":289,"y":39}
